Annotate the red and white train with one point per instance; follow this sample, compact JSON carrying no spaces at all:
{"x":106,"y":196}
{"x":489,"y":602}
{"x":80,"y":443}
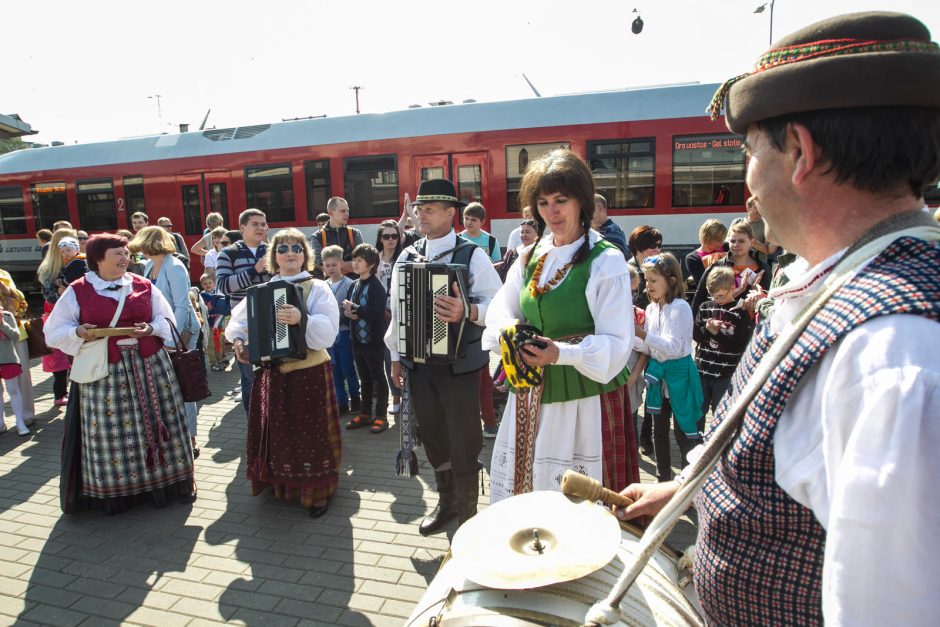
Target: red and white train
{"x":655,"y":155}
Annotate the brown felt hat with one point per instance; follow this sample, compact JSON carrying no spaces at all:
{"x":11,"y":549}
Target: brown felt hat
{"x":854,"y":60}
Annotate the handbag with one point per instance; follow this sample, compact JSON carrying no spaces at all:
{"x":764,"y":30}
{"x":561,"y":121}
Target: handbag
{"x":190,"y":369}
{"x":35,"y":340}
{"x":91,"y":363}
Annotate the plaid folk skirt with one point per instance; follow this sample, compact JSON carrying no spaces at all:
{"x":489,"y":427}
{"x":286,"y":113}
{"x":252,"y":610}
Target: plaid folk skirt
{"x":294,"y":442}
{"x":126,"y":435}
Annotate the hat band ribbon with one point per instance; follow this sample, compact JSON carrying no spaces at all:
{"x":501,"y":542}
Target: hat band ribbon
{"x":435,"y":197}
{"x":816,"y":50}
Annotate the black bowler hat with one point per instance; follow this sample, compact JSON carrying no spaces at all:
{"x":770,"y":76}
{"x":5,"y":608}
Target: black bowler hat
{"x":438,"y":190}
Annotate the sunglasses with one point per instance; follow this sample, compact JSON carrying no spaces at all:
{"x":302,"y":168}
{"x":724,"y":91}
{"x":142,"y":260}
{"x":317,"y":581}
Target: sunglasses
{"x":283,"y":249}
{"x":225,"y":242}
{"x":82,"y":239}
{"x":389,"y":235}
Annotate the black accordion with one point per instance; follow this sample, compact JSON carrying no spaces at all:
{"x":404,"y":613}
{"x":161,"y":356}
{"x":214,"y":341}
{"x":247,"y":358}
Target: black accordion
{"x":423,"y":337}
{"x":270,"y":341}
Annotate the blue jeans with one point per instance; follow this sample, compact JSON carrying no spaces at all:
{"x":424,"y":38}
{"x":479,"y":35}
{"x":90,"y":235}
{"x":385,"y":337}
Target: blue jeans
{"x":248,"y":376}
{"x":344,"y":368}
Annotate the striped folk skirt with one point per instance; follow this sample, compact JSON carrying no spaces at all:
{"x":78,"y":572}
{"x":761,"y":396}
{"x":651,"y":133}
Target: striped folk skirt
{"x":126,"y":438}
{"x":294,"y":442}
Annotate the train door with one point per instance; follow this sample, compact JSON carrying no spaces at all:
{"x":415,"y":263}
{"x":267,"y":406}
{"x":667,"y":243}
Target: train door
{"x":216,"y":195}
{"x":191,"y":195}
{"x":467,"y":170}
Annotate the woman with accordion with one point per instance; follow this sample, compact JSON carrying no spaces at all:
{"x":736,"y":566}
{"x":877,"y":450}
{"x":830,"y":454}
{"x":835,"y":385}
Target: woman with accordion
{"x":293,"y":420}
{"x":574,"y":288}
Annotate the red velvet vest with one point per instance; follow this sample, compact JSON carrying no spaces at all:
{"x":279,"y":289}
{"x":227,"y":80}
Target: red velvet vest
{"x":98,"y":310}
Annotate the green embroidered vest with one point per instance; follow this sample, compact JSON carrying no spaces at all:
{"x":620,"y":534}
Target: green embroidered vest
{"x":562,"y":312}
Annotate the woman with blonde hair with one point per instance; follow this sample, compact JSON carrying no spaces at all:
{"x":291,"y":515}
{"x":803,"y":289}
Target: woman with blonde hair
{"x":293,"y":419}
{"x":58,"y":362}
{"x":171,"y":278}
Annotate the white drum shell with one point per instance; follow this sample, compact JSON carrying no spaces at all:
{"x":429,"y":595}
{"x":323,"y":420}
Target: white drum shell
{"x":655,"y":599}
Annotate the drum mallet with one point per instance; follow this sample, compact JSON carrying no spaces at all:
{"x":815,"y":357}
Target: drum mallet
{"x":575,"y":484}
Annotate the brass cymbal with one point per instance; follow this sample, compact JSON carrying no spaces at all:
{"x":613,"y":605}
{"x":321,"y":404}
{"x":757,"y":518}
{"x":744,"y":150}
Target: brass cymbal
{"x":534,"y":540}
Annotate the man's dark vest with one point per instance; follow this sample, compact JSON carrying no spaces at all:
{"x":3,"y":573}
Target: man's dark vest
{"x":475,"y":357}
{"x":759,"y":553}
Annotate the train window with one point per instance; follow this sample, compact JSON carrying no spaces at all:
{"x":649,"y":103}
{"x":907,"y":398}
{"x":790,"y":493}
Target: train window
{"x":218,"y":199}
{"x":192,"y":211}
{"x":49,"y":203}
{"x":270,"y":188}
{"x":931,"y":196}
{"x":436,"y":172}
{"x":707,"y":170}
{"x":623,"y":171}
{"x":96,"y":205}
{"x":317,"y":175}
{"x":12,"y":211}
{"x":469,"y":183}
{"x":517,"y":160}
{"x":371,"y":185}
{"x":134,"y":194}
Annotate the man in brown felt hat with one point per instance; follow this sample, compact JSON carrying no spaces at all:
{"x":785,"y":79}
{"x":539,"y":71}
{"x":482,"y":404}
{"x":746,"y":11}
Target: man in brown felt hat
{"x":824,"y":508}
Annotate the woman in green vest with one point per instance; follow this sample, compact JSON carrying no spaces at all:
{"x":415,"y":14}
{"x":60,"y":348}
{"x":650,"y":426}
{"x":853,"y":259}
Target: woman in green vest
{"x":575,"y":288}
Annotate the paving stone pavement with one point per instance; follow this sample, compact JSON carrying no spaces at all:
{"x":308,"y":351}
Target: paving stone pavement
{"x":229,"y":557}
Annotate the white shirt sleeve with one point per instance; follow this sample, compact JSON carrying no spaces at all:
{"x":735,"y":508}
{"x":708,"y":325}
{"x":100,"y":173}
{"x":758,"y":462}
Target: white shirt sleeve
{"x":504,"y":308}
{"x":484,"y":284}
{"x":858,"y":444}
{"x":237,"y":327}
{"x":322,"y":317}
{"x":391,"y":334}
{"x":161,"y":312}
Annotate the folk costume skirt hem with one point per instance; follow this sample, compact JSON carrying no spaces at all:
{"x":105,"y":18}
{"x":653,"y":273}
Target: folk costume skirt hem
{"x":125,"y":440}
{"x":294,"y":441}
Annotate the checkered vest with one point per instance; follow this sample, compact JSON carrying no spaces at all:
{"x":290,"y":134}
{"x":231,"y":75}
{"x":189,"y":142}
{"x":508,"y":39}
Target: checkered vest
{"x":759,"y":553}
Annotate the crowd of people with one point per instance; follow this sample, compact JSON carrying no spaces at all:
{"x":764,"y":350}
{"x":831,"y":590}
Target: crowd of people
{"x":616,"y":327}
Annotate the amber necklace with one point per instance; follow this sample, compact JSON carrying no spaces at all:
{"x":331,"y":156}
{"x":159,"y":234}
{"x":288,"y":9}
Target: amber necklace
{"x":534,"y":290}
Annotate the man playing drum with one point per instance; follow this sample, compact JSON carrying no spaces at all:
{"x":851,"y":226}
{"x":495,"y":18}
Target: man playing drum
{"x":824,"y":508}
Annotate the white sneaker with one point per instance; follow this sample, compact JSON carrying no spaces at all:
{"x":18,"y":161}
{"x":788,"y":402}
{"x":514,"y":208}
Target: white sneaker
{"x":237,"y":398}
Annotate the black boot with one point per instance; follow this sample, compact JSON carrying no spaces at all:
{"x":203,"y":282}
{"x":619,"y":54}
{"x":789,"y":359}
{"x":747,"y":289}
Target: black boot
{"x":468,"y":490}
{"x":446,"y":504}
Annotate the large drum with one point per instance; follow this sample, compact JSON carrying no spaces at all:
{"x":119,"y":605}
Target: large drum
{"x":539,"y":559}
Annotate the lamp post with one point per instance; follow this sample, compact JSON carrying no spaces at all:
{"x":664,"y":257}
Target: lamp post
{"x":760,"y":9}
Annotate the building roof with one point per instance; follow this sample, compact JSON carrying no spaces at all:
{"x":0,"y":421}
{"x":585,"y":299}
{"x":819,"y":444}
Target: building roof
{"x":13,"y":126}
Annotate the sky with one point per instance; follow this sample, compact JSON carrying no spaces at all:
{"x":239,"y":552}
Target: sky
{"x":89,"y":71}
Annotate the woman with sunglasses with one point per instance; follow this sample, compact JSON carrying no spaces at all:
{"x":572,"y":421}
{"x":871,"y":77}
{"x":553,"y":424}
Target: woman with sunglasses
{"x":388,"y":243}
{"x":294,"y":441}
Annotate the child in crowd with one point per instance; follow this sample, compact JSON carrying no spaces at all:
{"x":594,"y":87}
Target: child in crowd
{"x":473,"y":217}
{"x":748,"y":271}
{"x":218,"y":312}
{"x":365,"y":309}
{"x":637,"y":360}
{"x":711,"y":236}
{"x":721,"y":333}
{"x":674,"y":386}
{"x":211,"y":259}
{"x":341,"y":355}
{"x":14,"y":359}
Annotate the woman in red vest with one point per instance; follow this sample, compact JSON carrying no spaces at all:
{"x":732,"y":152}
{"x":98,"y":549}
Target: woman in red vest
{"x":125,"y":435}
